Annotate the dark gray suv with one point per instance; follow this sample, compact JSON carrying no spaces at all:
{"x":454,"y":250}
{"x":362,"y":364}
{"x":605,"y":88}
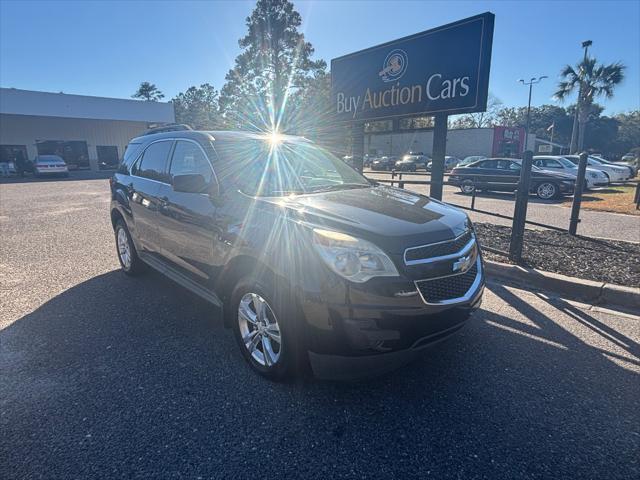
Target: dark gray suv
{"x":312,"y":263}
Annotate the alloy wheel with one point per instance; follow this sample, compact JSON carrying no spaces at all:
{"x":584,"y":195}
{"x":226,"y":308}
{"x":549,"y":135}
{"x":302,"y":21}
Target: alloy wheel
{"x":467,"y":186}
{"x":259,"y":329}
{"x":546,"y":191}
{"x":124,"y":249}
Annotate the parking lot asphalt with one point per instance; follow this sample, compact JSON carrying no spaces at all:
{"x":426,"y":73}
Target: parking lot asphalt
{"x":615,"y":226}
{"x":106,"y":376}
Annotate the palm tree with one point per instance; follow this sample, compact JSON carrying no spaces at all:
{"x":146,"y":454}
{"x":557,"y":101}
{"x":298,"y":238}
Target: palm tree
{"x":596,"y":79}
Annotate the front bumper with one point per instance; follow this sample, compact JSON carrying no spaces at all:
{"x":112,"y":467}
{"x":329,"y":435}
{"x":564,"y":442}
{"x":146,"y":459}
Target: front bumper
{"x":342,"y":367}
{"x":51,"y":171}
{"x":380,"y":326}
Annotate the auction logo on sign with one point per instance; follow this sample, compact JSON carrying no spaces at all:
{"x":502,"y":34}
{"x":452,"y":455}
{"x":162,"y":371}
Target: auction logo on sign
{"x":394,"y":65}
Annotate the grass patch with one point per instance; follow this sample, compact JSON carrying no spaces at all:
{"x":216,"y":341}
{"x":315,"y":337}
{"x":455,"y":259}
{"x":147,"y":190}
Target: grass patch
{"x":617,"y":199}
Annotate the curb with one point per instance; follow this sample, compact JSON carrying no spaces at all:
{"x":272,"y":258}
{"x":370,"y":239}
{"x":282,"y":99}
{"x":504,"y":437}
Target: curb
{"x":572,"y":288}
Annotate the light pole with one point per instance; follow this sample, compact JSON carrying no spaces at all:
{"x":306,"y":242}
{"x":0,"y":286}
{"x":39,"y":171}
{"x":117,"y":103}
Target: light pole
{"x":531,"y":83}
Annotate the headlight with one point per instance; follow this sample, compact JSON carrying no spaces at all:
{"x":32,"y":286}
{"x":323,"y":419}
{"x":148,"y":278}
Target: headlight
{"x":593,"y":174}
{"x":352,"y":258}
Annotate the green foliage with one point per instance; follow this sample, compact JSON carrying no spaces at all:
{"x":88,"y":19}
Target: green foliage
{"x":628,"y":137}
{"x":599,"y":80}
{"x":198,"y":107}
{"x":541,"y":119}
{"x":148,"y":92}
{"x":275,"y":62}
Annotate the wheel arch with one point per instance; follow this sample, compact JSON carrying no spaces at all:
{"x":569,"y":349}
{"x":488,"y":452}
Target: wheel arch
{"x":115,"y":216}
{"x":236,"y":269}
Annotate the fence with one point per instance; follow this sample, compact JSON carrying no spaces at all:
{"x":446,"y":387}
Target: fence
{"x":522,"y":184}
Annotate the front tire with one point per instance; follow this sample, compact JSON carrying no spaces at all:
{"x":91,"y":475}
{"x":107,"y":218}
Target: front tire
{"x":467,"y":187}
{"x":127,"y":254}
{"x":263,"y":316}
{"x":547,"y":191}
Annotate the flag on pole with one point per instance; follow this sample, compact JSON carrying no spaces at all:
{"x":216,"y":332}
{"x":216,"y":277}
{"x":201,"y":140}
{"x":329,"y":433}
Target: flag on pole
{"x":551,"y":127}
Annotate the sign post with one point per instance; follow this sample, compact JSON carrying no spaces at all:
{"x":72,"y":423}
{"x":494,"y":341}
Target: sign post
{"x":439,"y":72}
{"x":437,"y":157}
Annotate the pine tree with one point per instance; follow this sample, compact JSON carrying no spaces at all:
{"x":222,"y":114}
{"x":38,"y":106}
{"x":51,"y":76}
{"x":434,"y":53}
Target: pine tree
{"x":275,"y":63}
{"x":148,"y":92}
{"x":197,"y":107}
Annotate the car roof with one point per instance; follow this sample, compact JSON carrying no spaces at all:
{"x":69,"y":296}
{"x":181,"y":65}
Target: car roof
{"x":215,"y":135}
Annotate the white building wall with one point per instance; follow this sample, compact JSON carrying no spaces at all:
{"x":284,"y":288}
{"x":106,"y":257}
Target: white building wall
{"x":46,"y":104}
{"x":460,"y":143}
{"x":28,"y":130}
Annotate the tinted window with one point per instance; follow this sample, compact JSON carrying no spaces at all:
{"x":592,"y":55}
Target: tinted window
{"x":153,"y":162}
{"x":552,"y":163}
{"x":189,"y":159}
{"x":130,"y":153}
{"x":488,"y":164}
{"x":503,"y":164}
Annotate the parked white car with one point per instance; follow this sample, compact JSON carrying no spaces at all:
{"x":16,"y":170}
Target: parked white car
{"x":50,"y":165}
{"x":633,"y":168}
{"x":613,"y":172}
{"x":593,"y":178}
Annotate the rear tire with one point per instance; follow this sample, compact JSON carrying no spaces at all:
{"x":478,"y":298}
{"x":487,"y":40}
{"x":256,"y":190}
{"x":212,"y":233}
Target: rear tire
{"x":263,"y":318}
{"x":127,"y":254}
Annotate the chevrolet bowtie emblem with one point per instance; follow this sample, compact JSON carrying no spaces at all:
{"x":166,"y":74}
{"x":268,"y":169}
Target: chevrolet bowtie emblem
{"x":462,"y":264}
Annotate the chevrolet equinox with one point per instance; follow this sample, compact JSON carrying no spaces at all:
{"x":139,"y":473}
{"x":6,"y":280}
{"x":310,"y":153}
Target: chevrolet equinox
{"x":312,"y":264}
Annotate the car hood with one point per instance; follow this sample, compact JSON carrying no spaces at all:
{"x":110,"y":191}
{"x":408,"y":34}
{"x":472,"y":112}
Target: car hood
{"x":392,"y":218}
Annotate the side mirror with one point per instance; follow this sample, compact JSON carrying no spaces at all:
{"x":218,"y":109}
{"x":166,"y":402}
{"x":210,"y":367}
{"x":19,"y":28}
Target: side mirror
{"x":190,"y":183}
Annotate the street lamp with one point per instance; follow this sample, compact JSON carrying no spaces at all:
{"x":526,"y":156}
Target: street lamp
{"x":531,"y":83}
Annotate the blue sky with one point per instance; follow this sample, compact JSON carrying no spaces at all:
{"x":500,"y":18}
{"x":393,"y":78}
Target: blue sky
{"x":108,"y":48}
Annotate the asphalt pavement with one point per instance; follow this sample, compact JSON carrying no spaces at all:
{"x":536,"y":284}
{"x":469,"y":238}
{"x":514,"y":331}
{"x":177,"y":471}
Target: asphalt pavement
{"x":106,"y":376}
{"x":615,"y":226}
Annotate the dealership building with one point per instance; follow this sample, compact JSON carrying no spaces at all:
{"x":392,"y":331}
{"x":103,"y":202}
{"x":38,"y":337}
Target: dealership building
{"x":464,"y":142}
{"x":88,"y":132}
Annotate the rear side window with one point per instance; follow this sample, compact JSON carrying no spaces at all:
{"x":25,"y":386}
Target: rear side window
{"x":152,"y":164}
{"x":130,"y":153}
{"x":488,"y":164}
{"x":189,"y":159}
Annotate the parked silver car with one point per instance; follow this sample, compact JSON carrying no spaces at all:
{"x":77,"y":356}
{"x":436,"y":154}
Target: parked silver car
{"x":613,"y":172}
{"x":50,"y":165}
{"x":449,"y":163}
{"x":593,"y":178}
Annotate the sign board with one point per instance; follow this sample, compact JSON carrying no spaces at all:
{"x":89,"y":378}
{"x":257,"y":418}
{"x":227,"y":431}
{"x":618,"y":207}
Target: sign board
{"x":443,"y":70}
{"x":545,"y":148}
{"x":508,"y":141}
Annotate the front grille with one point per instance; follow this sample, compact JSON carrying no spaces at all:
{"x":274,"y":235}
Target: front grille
{"x":438,"y":249}
{"x":448,"y":288}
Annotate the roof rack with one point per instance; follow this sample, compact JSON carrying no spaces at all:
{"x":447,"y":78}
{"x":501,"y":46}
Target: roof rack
{"x":172,"y":127}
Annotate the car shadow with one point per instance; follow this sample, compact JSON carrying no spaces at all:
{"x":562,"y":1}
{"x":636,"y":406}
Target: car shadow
{"x":121,"y":376}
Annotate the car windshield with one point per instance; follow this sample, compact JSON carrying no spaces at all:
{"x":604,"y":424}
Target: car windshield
{"x":271,"y":169}
{"x":566,"y":162}
{"x":49,"y":159}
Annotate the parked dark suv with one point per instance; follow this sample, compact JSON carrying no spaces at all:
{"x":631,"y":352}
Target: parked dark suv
{"x":312,"y":263}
